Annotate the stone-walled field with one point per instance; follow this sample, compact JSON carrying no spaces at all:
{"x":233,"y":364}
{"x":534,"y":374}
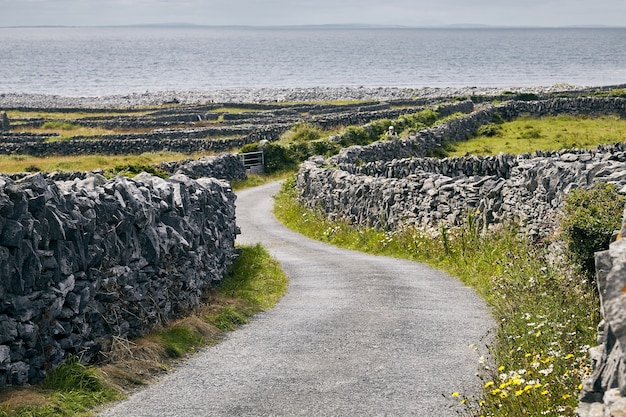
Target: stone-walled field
{"x":390,"y":184}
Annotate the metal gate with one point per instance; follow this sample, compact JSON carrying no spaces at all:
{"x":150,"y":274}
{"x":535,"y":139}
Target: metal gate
{"x":254,"y":162}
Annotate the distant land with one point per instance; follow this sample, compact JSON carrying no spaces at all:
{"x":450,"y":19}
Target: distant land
{"x":328,"y":26}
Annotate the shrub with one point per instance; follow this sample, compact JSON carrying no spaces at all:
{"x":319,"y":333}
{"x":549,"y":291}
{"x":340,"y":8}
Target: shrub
{"x":278,"y":158}
{"x":325,"y":147}
{"x":590,"y":218}
{"x":527,"y":97}
{"x":250,"y":147}
{"x":303,"y":132}
{"x":356,"y":135}
{"x":490,"y":130}
{"x":130,"y":170}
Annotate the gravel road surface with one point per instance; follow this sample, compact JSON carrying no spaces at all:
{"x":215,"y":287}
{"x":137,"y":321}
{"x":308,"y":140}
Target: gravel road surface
{"x":355,"y":335}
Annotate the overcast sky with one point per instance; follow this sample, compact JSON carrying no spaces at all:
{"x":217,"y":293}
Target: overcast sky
{"x":307,"y":12}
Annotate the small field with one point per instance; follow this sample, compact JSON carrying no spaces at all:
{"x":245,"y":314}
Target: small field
{"x":25,"y":163}
{"x":530,"y":134}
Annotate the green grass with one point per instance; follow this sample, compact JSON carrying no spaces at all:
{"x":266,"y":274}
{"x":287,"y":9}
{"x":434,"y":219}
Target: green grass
{"x":546,"y":318}
{"x":255,"y":180}
{"x":179,"y":340}
{"x":73,"y":389}
{"x":235,"y":110}
{"x":254,"y":283}
{"x":528,"y":134}
{"x":21,"y":163}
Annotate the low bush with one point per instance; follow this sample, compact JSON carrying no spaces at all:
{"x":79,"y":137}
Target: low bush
{"x":130,"y":170}
{"x":303,"y":132}
{"x":590,"y":218}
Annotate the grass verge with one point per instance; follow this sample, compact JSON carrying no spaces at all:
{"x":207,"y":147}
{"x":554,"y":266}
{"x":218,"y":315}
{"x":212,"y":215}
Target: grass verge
{"x":546,"y":317}
{"x":254,"y":283}
{"x":254,"y":180}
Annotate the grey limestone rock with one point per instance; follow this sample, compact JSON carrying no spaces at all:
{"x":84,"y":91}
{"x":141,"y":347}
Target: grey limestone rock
{"x":88,"y":258}
{"x":5,"y":125}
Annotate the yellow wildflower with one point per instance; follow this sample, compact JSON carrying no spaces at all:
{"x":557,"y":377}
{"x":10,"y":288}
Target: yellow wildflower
{"x":455,"y":394}
{"x":488,"y":384}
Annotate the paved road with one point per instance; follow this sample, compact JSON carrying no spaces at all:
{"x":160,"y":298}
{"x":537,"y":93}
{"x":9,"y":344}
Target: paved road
{"x":355,"y":335}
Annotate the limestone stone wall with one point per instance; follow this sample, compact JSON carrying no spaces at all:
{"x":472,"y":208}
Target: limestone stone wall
{"x":604,"y":392}
{"x":82,"y":261}
{"x":389,"y":184}
{"x":371,"y":185}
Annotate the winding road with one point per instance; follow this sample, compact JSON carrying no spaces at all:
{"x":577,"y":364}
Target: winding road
{"x":355,"y":335}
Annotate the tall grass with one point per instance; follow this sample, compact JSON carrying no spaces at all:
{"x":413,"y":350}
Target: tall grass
{"x":546,"y":317}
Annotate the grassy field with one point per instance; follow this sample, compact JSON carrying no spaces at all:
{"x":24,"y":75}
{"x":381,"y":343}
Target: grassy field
{"x":546,"y":317}
{"x":254,"y":283}
{"x":529,"y":134}
{"x":26,"y":163}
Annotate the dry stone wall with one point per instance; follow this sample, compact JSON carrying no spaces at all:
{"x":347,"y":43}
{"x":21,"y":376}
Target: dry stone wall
{"x":390,"y":184}
{"x":372,"y":185}
{"x":82,"y":261}
{"x":604,"y":392}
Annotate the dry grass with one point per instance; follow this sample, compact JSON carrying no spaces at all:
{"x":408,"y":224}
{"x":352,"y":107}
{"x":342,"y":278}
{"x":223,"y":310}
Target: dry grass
{"x":17,"y":397}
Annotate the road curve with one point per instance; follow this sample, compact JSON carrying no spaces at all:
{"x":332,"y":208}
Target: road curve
{"x":355,"y":335}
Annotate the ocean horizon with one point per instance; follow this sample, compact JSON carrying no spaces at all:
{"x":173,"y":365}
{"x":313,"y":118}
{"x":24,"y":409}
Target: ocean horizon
{"x":97,"y":61}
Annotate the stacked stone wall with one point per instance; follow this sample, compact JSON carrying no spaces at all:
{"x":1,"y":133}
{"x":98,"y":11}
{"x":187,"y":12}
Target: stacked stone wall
{"x":604,"y":391}
{"x":83,"y":261}
{"x":374,"y":186}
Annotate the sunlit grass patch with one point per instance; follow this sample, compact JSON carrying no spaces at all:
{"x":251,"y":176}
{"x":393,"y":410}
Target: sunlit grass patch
{"x":528,"y":134}
{"x":25,"y":163}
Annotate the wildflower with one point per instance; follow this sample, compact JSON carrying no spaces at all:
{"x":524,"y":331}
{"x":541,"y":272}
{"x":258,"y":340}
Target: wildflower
{"x":569,"y":356}
{"x":455,"y":394}
{"x":481,"y":403}
{"x":519,"y":392}
{"x":566,"y":396}
{"x":501,"y":368}
{"x":488,"y":384}
{"x":544,"y":392}
{"x":503,"y":394}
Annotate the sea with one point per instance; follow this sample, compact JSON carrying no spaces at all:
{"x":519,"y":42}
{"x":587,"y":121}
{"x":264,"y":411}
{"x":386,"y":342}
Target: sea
{"x":89,"y":61}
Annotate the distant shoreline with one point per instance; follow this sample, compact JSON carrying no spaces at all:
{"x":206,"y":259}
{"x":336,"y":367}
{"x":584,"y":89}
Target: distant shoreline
{"x":316,"y":27}
{"x":265,"y":95}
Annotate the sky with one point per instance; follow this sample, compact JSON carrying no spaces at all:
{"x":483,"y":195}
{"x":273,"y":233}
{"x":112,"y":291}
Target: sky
{"x":547,"y":13}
